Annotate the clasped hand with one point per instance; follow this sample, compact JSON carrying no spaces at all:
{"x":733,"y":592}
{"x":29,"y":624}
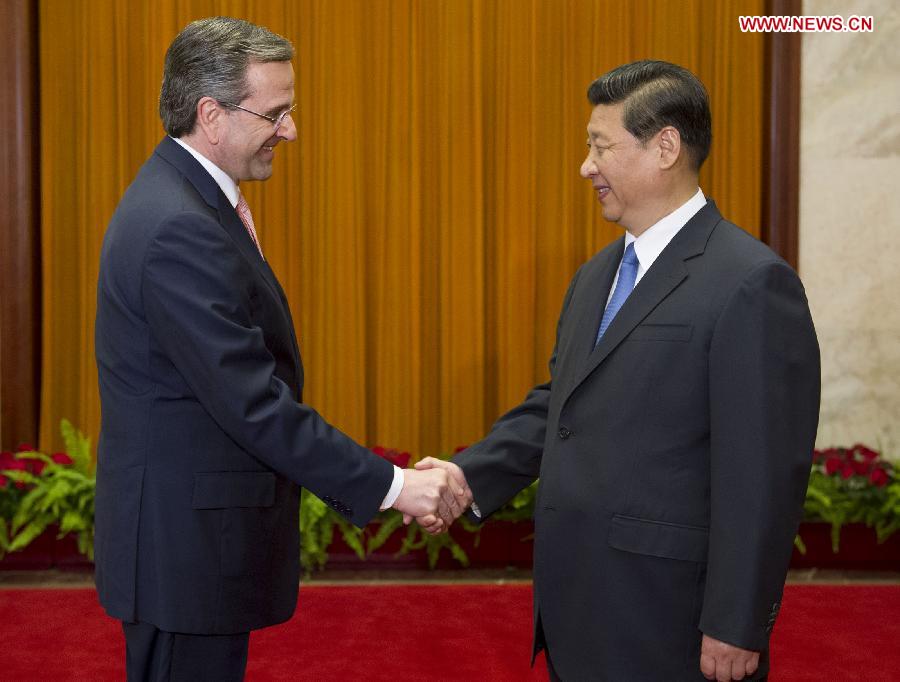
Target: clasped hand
{"x":435,"y":493}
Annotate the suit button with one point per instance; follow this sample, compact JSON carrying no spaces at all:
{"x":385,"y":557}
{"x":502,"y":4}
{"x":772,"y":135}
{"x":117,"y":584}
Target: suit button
{"x":564,"y":432}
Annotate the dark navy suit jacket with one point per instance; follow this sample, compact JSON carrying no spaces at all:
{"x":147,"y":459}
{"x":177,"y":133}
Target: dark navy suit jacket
{"x":673,"y":457}
{"x":205,"y":441}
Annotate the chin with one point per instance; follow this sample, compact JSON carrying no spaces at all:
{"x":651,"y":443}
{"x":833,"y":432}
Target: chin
{"x":610,"y":215}
{"x":261,"y":173}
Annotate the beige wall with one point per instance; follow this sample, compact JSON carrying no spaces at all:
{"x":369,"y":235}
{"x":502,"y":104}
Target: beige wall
{"x":850,"y":220}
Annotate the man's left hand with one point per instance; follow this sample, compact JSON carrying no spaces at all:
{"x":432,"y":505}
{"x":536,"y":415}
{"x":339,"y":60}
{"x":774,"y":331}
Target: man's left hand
{"x":725,"y":662}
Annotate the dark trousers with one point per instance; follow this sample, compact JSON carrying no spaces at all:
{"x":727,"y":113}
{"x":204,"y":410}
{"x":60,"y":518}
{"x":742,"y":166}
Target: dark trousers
{"x":551,"y":671}
{"x":152,"y":655}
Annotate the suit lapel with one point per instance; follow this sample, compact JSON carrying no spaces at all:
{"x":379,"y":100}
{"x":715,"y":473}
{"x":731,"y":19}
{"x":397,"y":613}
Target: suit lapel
{"x":663,"y":277}
{"x":590,"y":309}
{"x":212,"y":194}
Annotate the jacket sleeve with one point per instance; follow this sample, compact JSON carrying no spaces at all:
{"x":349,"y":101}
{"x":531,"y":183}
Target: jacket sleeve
{"x":199,"y":313}
{"x":508,"y":459}
{"x":764,"y":395}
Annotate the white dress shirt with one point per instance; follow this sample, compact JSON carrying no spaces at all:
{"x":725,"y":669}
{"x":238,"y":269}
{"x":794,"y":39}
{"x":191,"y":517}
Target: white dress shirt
{"x":655,"y":238}
{"x":232,"y":193}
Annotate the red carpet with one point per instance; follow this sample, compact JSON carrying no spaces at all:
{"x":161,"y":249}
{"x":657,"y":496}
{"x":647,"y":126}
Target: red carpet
{"x":424,"y":632}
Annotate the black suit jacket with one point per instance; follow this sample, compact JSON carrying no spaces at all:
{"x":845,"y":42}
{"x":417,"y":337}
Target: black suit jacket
{"x":673,"y":457}
{"x":205,"y":441}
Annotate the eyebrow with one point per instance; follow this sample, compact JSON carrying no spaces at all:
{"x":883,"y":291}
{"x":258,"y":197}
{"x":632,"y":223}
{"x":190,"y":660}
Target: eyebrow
{"x":274,"y":111}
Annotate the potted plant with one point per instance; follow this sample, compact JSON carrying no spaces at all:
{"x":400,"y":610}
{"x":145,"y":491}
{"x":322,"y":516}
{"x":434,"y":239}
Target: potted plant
{"x":852,"y":502}
{"x":41,"y":492}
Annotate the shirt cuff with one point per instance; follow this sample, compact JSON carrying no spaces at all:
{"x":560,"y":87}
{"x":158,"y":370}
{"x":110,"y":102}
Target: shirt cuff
{"x":475,"y":510}
{"x":394,"y":491}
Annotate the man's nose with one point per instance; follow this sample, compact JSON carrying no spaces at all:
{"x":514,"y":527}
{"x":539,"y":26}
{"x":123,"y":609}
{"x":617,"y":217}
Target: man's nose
{"x":287,"y":131}
{"x":588,"y":168}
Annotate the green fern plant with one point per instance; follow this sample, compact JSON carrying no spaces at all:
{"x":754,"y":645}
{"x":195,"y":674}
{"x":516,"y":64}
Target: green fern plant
{"x":416,"y":538}
{"x":60,"y":490}
{"x":317,"y":525}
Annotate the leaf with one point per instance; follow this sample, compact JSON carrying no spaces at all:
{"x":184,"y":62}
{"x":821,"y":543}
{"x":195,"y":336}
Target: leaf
{"x":385,"y":529}
{"x":4,"y":537}
{"x":352,"y":537}
{"x":25,"y":537}
{"x":409,"y":542}
{"x":20,"y":476}
{"x":72,"y":521}
{"x":36,"y":456}
{"x":835,"y":537}
{"x":27,"y":508}
{"x":78,"y":447}
{"x":819,"y":496}
{"x":316,"y":531}
{"x":433,"y":551}
{"x":459,"y":554}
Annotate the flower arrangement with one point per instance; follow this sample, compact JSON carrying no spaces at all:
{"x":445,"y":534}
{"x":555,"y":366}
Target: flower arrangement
{"x":847,"y":485}
{"x":37,"y":490}
{"x":318,"y":524}
{"x":372,"y":538}
{"x":853,"y":485}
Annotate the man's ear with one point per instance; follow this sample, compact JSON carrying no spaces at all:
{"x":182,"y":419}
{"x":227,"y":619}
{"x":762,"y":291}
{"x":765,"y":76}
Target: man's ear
{"x":669,"y":144}
{"x":210,"y":119}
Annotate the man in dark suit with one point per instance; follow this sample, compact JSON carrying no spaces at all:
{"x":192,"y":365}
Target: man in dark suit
{"x":673,"y":440}
{"x":205,"y":440}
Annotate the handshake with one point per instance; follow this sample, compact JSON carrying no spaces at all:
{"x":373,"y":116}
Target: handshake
{"x":435,"y":493}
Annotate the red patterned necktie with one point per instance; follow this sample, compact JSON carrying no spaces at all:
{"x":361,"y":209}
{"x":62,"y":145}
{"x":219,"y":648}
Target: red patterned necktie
{"x":243,"y":211}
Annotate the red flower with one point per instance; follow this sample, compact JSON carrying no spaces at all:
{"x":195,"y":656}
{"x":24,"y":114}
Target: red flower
{"x":394,"y":456}
{"x":879,"y":477}
{"x":847,"y":470}
{"x":833,"y":465}
{"x":459,"y":448}
{"x":61,"y":458}
{"x":867,"y":454}
{"x":6,"y":457}
{"x":15,"y":465}
{"x":37,"y":466}
{"x":26,"y":447}
{"x":862,"y":468}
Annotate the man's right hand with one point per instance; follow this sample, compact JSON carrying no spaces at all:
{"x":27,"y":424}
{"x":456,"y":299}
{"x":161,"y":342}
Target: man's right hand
{"x":430,"y":492}
{"x":431,"y":523}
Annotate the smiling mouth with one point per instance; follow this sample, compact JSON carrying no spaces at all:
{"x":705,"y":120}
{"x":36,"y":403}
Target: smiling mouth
{"x":268,"y":149}
{"x":602,"y":191}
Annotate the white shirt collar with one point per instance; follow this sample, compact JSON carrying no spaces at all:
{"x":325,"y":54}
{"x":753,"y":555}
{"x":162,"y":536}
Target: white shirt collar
{"x":655,"y":238}
{"x":229,"y":188}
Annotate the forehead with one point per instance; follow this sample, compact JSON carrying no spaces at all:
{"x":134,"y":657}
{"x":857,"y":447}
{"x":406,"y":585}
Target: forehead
{"x":270,"y":81}
{"x":606,"y":121}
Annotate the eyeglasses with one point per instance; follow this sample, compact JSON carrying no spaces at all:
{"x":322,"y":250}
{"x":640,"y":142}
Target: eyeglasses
{"x":277,"y":122}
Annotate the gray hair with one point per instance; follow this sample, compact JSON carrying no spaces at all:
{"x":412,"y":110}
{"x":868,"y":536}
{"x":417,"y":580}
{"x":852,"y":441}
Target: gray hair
{"x":209,"y":58}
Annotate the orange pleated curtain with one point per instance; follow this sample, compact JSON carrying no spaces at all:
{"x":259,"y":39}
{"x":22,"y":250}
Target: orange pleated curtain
{"x":426,"y":223}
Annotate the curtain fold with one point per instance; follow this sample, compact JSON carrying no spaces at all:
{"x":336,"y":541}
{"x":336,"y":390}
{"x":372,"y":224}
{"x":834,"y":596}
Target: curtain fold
{"x":427,"y":221}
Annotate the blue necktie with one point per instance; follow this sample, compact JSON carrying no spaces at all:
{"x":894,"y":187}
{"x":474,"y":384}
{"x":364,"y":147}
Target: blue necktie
{"x":627,"y":274}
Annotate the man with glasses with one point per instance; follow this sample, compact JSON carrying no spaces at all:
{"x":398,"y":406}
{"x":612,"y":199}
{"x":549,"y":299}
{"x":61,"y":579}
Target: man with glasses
{"x":205,"y":441}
